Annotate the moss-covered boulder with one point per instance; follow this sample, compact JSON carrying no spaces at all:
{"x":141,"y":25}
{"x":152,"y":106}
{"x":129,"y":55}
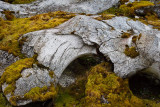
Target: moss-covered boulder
{"x":23,"y":83}
{"x":102,"y":85}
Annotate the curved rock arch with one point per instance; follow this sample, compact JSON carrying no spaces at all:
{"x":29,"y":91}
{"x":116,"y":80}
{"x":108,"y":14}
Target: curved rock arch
{"x":55,"y":51}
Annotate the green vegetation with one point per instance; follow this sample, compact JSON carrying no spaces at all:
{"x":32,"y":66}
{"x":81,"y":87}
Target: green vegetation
{"x":3,"y":101}
{"x":131,"y":52}
{"x":128,"y":10}
{"x":18,"y":1}
{"x":10,"y":31}
{"x":125,"y":35}
{"x":115,"y":90}
{"x":105,"y":17}
{"x":41,"y":94}
{"x":123,"y":1}
{"x":13,"y":72}
{"x":9,"y":15}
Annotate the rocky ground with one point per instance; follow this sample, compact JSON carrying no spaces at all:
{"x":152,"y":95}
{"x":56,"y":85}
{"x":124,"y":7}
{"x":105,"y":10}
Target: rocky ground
{"x":92,"y":53}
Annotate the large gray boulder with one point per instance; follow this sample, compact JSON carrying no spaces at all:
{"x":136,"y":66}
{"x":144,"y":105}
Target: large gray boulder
{"x":55,"y":51}
{"x":43,"y":6}
{"x":88,"y":33}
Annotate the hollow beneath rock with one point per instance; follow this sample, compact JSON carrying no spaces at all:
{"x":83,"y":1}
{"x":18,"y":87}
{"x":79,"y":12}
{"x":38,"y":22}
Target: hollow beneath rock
{"x":145,"y":86}
{"x":78,"y":68}
{"x":47,"y":103}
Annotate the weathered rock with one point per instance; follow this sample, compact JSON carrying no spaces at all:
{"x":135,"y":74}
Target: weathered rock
{"x":55,"y":51}
{"x":108,"y":36}
{"x":43,"y":6}
{"x":6,"y":59}
{"x":31,"y":78}
{"x":56,"y":48}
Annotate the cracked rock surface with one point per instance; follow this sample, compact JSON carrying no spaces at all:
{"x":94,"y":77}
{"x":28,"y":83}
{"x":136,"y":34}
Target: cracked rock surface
{"x":44,"y":6}
{"x":56,"y":52}
{"x":6,"y":59}
{"x":82,"y":35}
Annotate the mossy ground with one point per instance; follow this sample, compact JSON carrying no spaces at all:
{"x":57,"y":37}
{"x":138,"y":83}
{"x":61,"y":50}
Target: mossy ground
{"x":101,"y":82}
{"x":3,"y":101}
{"x":10,"y":31}
{"x":129,"y":11}
{"x":41,"y":94}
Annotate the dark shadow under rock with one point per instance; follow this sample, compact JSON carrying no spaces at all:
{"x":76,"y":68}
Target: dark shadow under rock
{"x":78,"y":68}
{"x":145,"y":86}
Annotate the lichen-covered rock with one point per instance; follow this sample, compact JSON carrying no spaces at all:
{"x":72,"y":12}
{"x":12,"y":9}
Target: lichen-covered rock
{"x":56,"y":48}
{"x":143,"y":43}
{"x":6,"y":59}
{"x":31,"y":78}
{"x":43,"y":6}
{"x":107,"y":35}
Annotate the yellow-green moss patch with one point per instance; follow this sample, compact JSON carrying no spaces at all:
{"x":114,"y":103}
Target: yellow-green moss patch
{"x":125,"y":35}
{"x":51,"y":74}
{"x":3,"y":101}
{"x":128,"y":10}
{"x":131,"y":52}
{"x":105,"y":17}
{"x":13,"y":72}
{"x":134,"y":39}
{"x":10,"y":31}
{"x":8,"y":14}
{"x":41,"y":94}
{"x":114,"y":89}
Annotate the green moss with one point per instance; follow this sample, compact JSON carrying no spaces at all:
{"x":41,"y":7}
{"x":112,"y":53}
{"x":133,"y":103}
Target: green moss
{"x":51,"y":74}
{"x":114,"y":89}
{"x":41,"y":94}
{"x":123,"y":1}
{"x":13,"y":72}
{"x":10,"y":31}
{"x":125,"y":35}
{"x":134,"y":39}
{"x":128,"y":9}
{"x":9,"y":15}
{"x":131,"y":52}
{"x":3,"y":101}
{"x":65,"y":100}
{"x":105,"y":16}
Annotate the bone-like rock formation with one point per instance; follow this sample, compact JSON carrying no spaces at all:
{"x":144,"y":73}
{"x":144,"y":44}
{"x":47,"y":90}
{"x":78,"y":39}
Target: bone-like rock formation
{"x":56,"y":48}
{"x":55,"y":51}
{"x":43,"y":6}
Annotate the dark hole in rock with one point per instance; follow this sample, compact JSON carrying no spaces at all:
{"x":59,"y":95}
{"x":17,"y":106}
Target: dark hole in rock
{"x":47,"y":103}
{"x":145,"y":86}
{"x":78,"y":68}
